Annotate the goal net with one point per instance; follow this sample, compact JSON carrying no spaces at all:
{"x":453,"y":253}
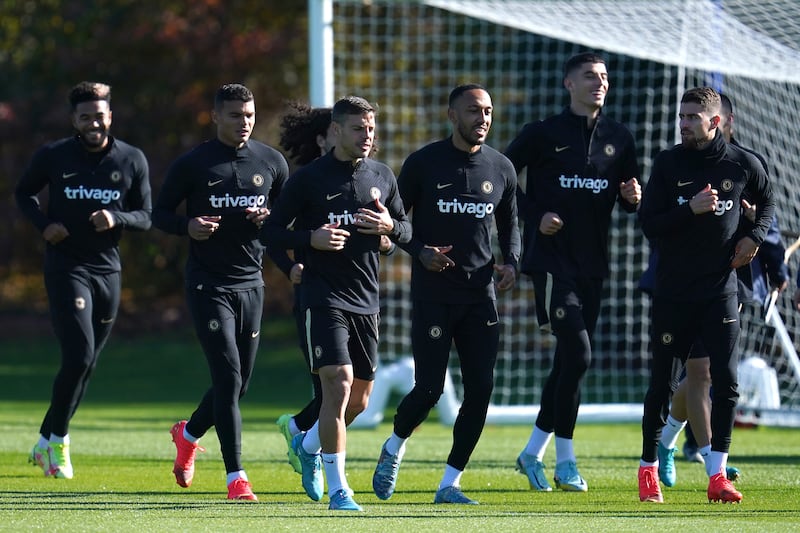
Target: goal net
{"x":407,"y":56}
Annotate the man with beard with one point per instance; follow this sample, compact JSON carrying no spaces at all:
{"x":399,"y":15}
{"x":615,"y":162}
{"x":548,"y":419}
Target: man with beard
{"x":457,"y":188}
{"x":690,"y":211}
{"x":97,"y":185}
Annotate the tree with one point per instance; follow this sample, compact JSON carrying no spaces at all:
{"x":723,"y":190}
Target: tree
{"x":164,"y":61}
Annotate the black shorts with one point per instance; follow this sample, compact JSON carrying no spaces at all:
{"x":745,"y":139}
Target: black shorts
{"x":566,"y":305}
{"x":695,"y":329}
{"x":337,"y":337}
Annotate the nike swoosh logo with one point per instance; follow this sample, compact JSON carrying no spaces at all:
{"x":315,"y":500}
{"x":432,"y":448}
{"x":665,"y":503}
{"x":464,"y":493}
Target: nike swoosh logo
{"x":728,"y":320}
{"x":107,"y":320}
{"x":332,"y":196}
{"x":329,"y":462}
{"x":441,"y":186}
{"x":684,"y":183}
{"x":67,"y":176}
{"x":561,"y":148}
{"x":490,"y":323}
{"x":254,"y":334}
{"x":212,"y":183}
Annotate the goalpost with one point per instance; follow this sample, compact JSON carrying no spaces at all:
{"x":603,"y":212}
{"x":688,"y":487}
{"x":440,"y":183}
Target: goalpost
{"x":406,"y":56}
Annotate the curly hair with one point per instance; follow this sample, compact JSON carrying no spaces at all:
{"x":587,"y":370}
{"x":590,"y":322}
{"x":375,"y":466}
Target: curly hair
{"x":89,"y":91}
{"x":299,"y":130}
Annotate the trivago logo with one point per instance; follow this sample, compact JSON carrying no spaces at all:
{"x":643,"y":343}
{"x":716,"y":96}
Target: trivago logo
{"x":479,"y":209}
{"x":106,"y":196}
{"x":576,"y":182}
{"x":722,"y":206}
{"x":256,"y":200}
{"x":345,"y":219}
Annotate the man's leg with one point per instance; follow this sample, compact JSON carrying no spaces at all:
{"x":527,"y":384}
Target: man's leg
{"x":671,"y":339}
{"x":477,"y":338}
{"x":698,"y":409}
{"x":721,"y":334}
{"x":431,"y":339}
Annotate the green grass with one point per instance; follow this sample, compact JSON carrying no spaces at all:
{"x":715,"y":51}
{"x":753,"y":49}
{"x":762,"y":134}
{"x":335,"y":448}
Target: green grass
{"x":123,"y":455}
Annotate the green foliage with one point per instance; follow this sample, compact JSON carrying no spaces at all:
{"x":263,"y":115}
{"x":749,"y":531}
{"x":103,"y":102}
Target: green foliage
{"x":164,"y":60}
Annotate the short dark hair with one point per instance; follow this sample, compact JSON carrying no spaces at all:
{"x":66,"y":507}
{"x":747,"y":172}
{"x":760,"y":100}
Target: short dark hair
{"x":232,"y":92}
{"x":461,"y":89}
{"x":89,"y":91}
{"x":725,"y":103}
{"x":707,"y":97}
{"x":577,"y":60}
{"x":350,"y":105}
{"x":299,"y":130}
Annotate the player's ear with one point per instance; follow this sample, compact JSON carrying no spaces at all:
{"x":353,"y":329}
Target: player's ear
{"x":214,"y":116}
{"x":715,"y":121}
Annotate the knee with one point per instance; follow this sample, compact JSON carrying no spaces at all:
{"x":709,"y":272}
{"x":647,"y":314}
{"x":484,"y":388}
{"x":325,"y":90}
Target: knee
{"x":427,"y":396}
{"x":356,"y":405}
{"x":698,"y":373}
{"x":79,"y":365}
{"x":479,"y":390}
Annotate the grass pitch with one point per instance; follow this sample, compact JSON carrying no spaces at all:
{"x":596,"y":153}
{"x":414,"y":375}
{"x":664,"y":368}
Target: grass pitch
{"x":122,"y":454}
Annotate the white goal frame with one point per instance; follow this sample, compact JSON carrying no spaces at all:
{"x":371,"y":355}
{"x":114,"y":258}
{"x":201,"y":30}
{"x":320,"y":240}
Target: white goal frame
{"x":755,"y":58}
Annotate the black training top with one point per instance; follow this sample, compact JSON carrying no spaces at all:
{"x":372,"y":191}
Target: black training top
{"x":330,"y":191}
{"x":574,"y":172}
{"x":217,"y":179}
{"x":695,"y":251}
{"x":79,"y":183}
{"x":455,"y":197}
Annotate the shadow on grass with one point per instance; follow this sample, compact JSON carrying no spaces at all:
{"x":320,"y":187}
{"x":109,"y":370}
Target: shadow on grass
{"x":149,"y":369}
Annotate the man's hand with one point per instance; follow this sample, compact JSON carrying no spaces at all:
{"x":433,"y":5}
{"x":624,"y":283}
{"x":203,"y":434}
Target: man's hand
{"x":203,"y":227}
{"x":385,"y":244}
{"x":746,"y":250}
{"x":103,"y":220}
{"x":631,"y":191}
{"x":329,"y":237}
{"x":55,"y":233}
{"x":296,"y":273}
{"x":434,"y":259}
{"x":377,"y":222}
{"x":551,"y":223}
{"x":508,"y":277}
{"x":257,"y":215}
{"x":705,"y":201}
{"x":782,"y":286}
{"x":749,"y":210}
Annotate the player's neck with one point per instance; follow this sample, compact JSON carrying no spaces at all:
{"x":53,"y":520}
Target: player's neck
{"x":590,"y":112}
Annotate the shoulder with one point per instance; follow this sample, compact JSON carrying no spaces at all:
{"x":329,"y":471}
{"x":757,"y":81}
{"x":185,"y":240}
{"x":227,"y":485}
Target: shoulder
{"x":495,"y":157}
{"x":56,"y":147}
{"x":538,"y":127}
{"x":669,"y":155}
{"x":430,"y":150}
{"x":128,"y":150}
{"x":194,"y":157}
{"x":748,"y":159}
{"x":424,"y":159}
{"x":377,"y":166}
{"x":614,"y":128}
{"x":264,"y":151}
